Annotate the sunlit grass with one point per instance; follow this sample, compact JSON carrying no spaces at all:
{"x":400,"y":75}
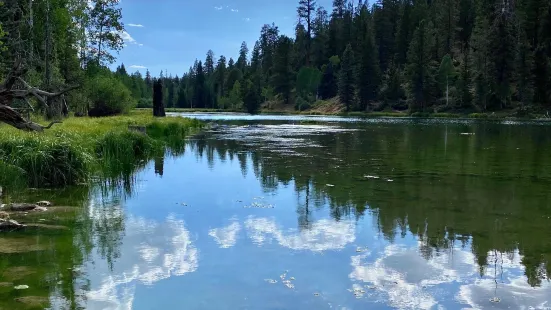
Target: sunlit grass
{"x":71,"y":152}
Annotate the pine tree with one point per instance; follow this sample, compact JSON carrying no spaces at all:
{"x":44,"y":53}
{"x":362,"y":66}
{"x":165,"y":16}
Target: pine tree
{"x":419,"y":67}
{"x":200,"y":89}
{"x":242,"y":60}
{"x":447,"y":14}
{"x":220,"y":77}
{"x":319,"y":42}
{"x":329,"y":83}
{"x":283,"y":76}
{"x":464,"y":83}
{"x":480,"y":60}
{"x":465,"y":23}
{"x":385,"y":16}
{"x":209,"y":63}
{"x":502,"y":44}
{"x":346,"y":78}
{"x":104,"y":29}
{"x":524,"y":62}
{"x":251,"y":100}
{"x":403,"y":36}
{"x":368,"y":74}
{"x":305,"y":12}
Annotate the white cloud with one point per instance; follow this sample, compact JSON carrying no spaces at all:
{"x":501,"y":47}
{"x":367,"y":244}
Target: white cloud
{"x":135,"y":25}
{"x":127,"y":37}
{"x":226,"y":237}
{"x":218,"y":8}
{"x":140,"y":44}
{"x":324,"y":234}
{"x":234,"y":10}
{"x":137,"y":67}
{"x":247,"y":19}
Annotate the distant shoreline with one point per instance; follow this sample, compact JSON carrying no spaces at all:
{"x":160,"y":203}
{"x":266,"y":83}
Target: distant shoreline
{"x":482,"y":116}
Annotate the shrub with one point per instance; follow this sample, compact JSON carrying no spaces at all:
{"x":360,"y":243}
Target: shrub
{"x":109,"y":96}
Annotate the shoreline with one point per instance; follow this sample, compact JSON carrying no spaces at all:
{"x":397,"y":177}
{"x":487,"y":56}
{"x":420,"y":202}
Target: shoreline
{"x":405,"y":115}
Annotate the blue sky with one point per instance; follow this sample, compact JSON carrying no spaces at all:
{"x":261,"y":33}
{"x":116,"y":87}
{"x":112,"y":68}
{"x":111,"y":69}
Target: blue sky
{"x":171,"y":34}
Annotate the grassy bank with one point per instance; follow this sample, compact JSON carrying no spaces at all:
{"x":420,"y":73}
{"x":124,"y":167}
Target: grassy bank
{"x":80,"y":148}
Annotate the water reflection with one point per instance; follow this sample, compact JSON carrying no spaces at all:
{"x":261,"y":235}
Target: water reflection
{"x":226,"y":236}
{"x":463,"y":220}
{"x":323,"y":235}
{"x":152,"y":251}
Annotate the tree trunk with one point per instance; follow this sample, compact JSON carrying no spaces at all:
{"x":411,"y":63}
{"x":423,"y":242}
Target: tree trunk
{"x":158,"y":106}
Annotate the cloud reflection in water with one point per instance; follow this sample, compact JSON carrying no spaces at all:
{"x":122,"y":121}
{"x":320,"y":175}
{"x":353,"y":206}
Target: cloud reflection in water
{"x":152,"y":252}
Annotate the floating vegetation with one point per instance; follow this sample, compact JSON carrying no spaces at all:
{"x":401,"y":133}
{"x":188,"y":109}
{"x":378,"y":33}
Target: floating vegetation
{"x":361,"y":249}
{"x":21,"y":287}
{"x":317,"y":294}
{"x":371,"y":177}
{"x":495,"y":299}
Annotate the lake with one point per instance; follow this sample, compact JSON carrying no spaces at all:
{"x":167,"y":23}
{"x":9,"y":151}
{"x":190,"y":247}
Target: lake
{"x":298,"y":212}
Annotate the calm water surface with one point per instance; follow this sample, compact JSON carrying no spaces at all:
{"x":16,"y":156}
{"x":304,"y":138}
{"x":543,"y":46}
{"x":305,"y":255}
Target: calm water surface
{"x":271,"y":212}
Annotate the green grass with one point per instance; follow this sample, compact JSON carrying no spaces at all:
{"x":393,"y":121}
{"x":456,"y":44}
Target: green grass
{"x":72,"y":152}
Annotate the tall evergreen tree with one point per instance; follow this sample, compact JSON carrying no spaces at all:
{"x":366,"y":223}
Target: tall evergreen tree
{"x":346,"y":78}
{"x":305,"y":12}
{"x":242,"y":59}
{"x":368,"y":74}
{"x":283,"y":75}
{"x":209,"y":63}
{"x":419,"y":68}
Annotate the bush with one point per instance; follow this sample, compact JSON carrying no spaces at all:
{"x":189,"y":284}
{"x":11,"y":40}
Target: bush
{"x":109,"y":96}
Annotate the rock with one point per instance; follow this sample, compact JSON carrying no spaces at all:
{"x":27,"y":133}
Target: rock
{"x":20,"y":245}
{"x":9,"y":225}
{"x":19,"y":207}
{"x":34,"y":301}
{"x":44,"y":203}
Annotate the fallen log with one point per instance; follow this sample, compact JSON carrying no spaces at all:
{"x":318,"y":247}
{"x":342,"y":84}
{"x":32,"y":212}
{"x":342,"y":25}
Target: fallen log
{"x":15,"y":87}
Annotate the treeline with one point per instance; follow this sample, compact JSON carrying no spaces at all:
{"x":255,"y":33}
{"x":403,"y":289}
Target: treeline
{"x":429,"y":55}
{"x":395,"y":54}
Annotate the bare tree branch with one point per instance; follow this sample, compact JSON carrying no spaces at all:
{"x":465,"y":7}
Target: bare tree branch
{"x":9,"y":92}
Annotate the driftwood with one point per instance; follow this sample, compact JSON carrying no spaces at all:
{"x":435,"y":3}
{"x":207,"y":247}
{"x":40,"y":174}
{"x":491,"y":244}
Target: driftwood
{"x":14,"y":87}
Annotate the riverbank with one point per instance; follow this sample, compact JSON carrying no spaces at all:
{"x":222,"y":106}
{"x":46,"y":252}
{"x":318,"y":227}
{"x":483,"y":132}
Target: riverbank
{"x":398,"y":114}
{"x":80,"y":148}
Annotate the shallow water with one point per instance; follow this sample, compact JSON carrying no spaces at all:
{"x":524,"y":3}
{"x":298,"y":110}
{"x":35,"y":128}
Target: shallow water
{"x":270,"y":212}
